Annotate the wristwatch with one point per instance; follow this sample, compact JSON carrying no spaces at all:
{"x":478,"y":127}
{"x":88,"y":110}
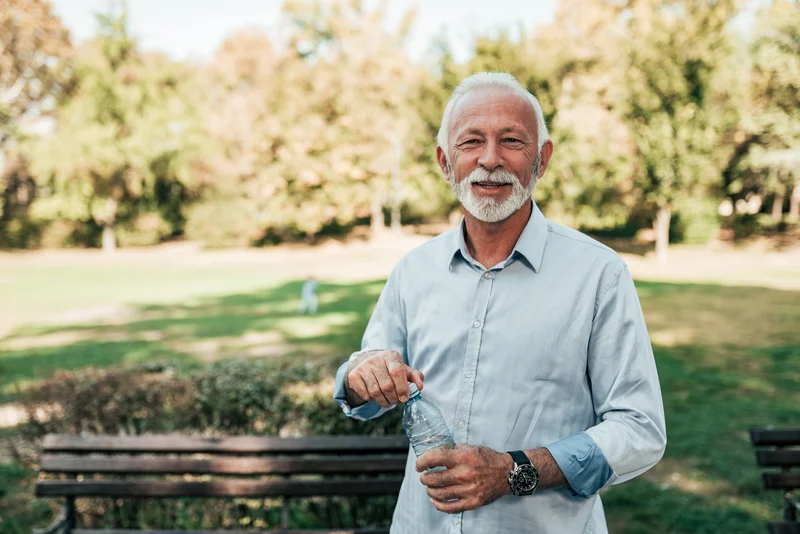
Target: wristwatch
{"x":524,"y":477}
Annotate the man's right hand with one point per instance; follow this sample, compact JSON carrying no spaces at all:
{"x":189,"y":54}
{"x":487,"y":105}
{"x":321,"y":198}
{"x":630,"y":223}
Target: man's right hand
{"x":380,"y":376}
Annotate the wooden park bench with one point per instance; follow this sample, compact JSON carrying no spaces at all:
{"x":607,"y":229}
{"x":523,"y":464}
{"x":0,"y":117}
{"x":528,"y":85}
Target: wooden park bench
{"x":781,"y":449}
{"x":78,"y":467}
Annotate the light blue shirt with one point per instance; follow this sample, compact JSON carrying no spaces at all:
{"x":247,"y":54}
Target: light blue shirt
{"x":548,"y":348}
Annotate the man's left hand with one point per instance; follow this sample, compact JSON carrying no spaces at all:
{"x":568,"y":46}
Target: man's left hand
{"x":475,"y":476}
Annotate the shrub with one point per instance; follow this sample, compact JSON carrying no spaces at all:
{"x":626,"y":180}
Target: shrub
{"x":222,"y":223}
{"x":695,"y":221}
{"x":144,"y":230}
{"x":225,"y":398}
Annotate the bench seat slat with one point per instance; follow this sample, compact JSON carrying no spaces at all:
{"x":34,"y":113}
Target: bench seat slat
{"x":217,"y":488}
{"x":782,"y":481}
{"x":775,"y":438}
{"x":164,"y":444}
{"x":53,"y":463}
{"x":778,"y":458}
{"x":377,"y":530}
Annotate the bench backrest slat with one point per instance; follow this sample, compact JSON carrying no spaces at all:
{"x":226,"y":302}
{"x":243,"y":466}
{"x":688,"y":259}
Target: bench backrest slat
{"x":778,"y":458}
{"x":784,"y":527}
{"x":775,"y":438}
{"x":244,"y":488}
{"x":58,"y":463}
{"x":782,"y":481}
{"x":176,"y":444}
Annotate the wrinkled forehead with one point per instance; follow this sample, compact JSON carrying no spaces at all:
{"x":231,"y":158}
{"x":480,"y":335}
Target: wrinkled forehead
{"x":492,"y":109}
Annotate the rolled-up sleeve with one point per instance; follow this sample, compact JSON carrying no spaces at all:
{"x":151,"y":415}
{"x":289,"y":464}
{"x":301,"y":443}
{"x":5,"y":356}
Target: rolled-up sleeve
{"x":386,"y":330}
{"x":582,"y":462}
{"x":631,"y":432}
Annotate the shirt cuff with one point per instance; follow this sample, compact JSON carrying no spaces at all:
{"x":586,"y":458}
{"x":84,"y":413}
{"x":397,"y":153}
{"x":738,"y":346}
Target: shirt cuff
{"x":363,"y":412}
{"x":583,"y":463}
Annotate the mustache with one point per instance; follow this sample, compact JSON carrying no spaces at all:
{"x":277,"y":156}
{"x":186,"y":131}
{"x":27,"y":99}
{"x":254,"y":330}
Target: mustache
{"x":500,"y":176}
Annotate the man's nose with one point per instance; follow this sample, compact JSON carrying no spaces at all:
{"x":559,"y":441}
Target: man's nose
{"x":490,"y":158}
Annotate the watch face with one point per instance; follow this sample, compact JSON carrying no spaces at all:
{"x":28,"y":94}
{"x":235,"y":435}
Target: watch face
{"x":526,"y":478}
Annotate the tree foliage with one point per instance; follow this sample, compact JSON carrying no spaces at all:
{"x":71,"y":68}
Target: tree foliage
{"x":658,"y":109}
{"x":124,"y":130}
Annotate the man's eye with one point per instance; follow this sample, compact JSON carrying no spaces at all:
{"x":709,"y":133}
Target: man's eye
{"x":471,"y":142}
{"x":512,"y":140}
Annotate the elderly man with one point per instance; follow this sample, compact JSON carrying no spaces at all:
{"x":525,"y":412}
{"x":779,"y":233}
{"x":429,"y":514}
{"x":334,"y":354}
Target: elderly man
{"x":529,"y":337}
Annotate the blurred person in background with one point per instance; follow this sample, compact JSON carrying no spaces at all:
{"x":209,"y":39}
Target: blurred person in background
{"x":528,"y":335}
{"x":308,"y":296}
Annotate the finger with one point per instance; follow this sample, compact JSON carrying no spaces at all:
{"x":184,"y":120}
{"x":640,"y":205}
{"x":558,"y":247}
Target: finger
{"x":438,"y":457}
{"x":385,"y":382}
{"x":448,"y":493}
{"x":358,"y":385}
{"x":416,"y":376}
{"x":397,"y":372}
{"x":374,"y":389}
{"x":435,"y":479}
{"x":454,"y":507}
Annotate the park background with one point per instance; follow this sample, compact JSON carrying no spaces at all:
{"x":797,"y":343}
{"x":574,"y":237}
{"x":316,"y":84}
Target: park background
{"x":171,"y":172}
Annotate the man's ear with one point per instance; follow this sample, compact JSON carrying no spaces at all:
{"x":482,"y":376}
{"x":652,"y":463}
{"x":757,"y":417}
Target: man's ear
{"x":441,"y":159}
{"x":546,"y":154}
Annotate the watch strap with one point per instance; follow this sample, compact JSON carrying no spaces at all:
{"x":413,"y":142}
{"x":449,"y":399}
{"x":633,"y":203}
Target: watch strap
{"x":519,"y":457}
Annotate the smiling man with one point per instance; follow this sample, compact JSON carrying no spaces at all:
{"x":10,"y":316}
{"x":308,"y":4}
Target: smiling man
{"x":527,"y":335}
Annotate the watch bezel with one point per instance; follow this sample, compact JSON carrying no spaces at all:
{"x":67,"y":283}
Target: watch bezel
{"x":514,"y":479}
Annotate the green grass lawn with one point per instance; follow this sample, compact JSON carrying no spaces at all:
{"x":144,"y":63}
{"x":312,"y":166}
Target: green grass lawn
{"x":728,"y":360}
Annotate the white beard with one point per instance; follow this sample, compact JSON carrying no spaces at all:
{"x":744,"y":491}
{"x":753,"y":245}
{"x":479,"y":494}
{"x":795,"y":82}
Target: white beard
{"x":487,"y":209}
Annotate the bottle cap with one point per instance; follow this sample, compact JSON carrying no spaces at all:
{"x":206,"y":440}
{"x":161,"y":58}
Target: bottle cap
{"x":413,"y":390}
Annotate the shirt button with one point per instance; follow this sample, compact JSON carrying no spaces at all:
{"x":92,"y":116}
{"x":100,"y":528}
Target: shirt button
{"x":461,"y":424}
{"x":476,"y":324}
{"x":488,"y":275}
{"x":468,"y":374}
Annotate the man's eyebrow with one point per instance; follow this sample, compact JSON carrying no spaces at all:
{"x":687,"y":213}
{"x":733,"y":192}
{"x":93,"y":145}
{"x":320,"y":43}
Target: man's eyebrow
{"x":515,"y":129}
{"x":471,"y":131}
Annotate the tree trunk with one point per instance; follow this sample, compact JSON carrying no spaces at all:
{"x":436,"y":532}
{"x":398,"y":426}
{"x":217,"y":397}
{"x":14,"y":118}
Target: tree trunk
{"x":794,"y":203}
{"x":396,"y":186}
{"x":377,"y":223}
{"x":396,"y":224}
{"x":777,"y":207}
{"x":109,"y":239}
{"x":661,"y":228}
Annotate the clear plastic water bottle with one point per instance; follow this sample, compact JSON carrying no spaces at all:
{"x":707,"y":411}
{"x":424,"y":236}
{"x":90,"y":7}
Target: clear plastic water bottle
{"x":424,"y":425}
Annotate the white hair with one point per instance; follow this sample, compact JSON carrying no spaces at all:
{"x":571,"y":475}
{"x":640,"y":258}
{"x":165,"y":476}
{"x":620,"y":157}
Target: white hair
{"x":482,"y":80}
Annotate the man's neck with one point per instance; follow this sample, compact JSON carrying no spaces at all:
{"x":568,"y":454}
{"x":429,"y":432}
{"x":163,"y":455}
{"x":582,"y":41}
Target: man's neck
{"x":491,"y":243}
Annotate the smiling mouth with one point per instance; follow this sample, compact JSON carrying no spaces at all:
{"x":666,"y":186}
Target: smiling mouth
{"x":491,"y":185}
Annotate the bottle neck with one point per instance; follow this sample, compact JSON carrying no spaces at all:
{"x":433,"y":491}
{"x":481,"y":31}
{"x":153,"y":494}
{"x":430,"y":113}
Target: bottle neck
{"x":413,"y":399}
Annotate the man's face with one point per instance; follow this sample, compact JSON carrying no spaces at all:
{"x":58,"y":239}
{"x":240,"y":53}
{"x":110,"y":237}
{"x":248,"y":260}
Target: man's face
{"x":494,"y":163}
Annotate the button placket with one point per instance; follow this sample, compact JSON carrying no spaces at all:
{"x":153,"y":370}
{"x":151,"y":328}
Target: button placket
{"x":472,"y":352}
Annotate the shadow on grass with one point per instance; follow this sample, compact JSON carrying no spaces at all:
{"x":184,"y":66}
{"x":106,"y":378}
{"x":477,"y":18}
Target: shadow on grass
{"x":264,"y":323}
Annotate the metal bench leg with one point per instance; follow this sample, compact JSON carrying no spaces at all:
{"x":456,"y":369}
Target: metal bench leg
{"x":69,"y":521}
{"x":285,"y":519}
{"x":790,"y":507}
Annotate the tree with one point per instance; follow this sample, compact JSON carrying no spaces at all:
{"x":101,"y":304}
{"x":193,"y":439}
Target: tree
{"x":124,"y":129}
{"x":34,"y":71}
{"x":774,"y":111}
{"x":311,"y":137}
{"x":590,"y":181}
{"x":671,"y":49}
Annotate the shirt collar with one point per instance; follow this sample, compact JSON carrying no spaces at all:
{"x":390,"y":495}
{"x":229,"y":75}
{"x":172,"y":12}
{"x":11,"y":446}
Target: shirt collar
{"x":530,"y":245}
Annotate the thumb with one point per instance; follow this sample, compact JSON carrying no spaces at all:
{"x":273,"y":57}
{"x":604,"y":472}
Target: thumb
{"x":416,"y":376}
